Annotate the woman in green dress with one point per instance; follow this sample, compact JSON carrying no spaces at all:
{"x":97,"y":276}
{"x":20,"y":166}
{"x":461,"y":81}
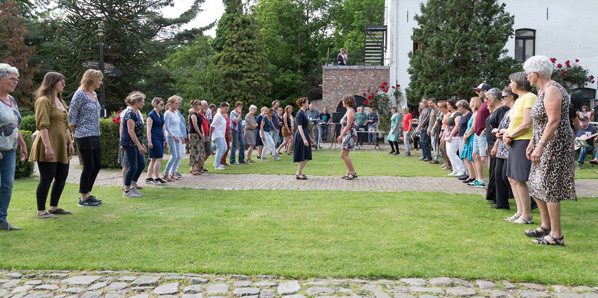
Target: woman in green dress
{"x":396,"y":122}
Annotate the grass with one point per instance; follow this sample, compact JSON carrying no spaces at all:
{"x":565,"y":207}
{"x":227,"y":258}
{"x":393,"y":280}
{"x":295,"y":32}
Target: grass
{"x":298,"y":234}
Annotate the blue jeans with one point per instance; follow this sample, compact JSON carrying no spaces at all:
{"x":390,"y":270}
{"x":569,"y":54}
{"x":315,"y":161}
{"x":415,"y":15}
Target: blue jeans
{"x":583,"y":151}
{"x":435,"y":147}
{"x":7,"y":179}
{"x":175,"y":156}
{"x":324,"y":132}
{"x":371,"y":135}
{"x":221,"y":148}
{"x":425,"y":144}
{"x":238,"y":142}
{"x":268,"y":144}
{"x":136,"y":165}
{"x":406,"y":140}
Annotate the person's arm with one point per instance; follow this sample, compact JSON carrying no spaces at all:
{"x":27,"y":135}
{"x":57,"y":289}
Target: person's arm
{"x":74,"y":110}
{"x":575,"y":123}
{"x":552,"y":103}
{"x":350,"y":118}
{"x":262,"y":135}
{"x":195,"y":126}
{"x":300,"y":129}
{"x":42,"y":121}
{"x":525,"y":125}
{"x":150,"y":122}
{"x":131,"y":130}
{"x":455,"y":130}
{"x":330,"y":119}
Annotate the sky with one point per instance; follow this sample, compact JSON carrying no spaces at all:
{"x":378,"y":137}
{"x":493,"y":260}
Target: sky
{"x":212,"y":10}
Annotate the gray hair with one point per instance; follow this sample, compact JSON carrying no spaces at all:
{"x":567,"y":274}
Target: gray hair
{"x":494,"y":94}
{"x":6,"y":69}
{"x":540,"y":64}
{"x":521,"y":81}
{"x":203,"y":102}
{"x":252,"y":107}
{"x":463,"y":103}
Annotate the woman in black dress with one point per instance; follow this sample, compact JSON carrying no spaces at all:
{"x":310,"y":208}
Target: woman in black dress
{"x":302,"y":152}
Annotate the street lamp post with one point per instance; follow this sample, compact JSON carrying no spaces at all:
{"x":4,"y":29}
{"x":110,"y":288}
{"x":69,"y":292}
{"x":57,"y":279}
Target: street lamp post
{"x":100,"y":33}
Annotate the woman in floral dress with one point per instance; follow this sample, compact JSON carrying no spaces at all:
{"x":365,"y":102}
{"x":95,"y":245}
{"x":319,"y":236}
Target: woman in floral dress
{"x":348,"y":136}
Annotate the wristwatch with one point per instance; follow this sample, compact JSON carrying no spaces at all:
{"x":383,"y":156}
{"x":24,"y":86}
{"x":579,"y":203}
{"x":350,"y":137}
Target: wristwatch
{"x":542,"y":143}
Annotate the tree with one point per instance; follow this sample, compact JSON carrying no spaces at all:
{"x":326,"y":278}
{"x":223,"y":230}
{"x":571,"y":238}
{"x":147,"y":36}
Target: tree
{"x":462,"y":45}
{"x":348,"y":17}
{"x":137,"y":37}
{"x":14,"y":51}
{"x":242,"y":61}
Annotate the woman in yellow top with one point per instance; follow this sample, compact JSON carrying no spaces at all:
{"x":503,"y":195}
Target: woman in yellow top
{"x":518,"y":136}
{"x":53,"y":147}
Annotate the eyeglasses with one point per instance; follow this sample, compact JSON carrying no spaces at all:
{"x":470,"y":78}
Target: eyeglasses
{"x":14,"y":80}
{"x":505,"y":96}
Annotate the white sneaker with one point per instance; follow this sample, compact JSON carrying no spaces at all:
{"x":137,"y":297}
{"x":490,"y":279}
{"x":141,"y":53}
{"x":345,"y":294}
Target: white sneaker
{"x":453,"y":173}
{"x":136,"y":191}
{"x":459,"y":174}
{"x":130,"y":194}
{"x":219,"y":168}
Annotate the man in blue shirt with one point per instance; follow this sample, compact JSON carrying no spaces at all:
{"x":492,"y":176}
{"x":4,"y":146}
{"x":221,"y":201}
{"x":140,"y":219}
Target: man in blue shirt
{"x":583,"y":134}
{"x":325,"y":117}
{"x":372,"y":122}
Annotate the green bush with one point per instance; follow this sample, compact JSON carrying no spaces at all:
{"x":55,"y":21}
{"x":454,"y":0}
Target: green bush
{"x":24,"y":168}
{"x":28,"y":123}
{"x":110,"y":143}
{"x":26,"y":112}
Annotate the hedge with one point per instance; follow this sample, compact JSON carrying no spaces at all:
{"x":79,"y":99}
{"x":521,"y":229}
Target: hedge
{"x":110,"y":144}
{"x":28,"y":123}
{"x":24,"y":168}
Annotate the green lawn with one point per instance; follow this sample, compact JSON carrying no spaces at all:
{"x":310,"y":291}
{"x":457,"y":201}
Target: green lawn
{"x":299,"y":234}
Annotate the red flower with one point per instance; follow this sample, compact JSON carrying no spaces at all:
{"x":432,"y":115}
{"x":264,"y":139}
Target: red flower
{"x":564,"y":73}
{"x":381,"y":86}
{"x":118,"y":112}
{"x":363,"y":102}
{"x":363,"y":93}
{"x":384,"y":83}
{"x":568,"y":63}
{"x":369,"y":90}
{"x":553,"y":60}
{"x":559,"y":65}
{"x":591,"y":77}
{"x":398,"y":85}
{"x":393,"y":87}
{"x":576,"y":60}
{"x":593,"y":82}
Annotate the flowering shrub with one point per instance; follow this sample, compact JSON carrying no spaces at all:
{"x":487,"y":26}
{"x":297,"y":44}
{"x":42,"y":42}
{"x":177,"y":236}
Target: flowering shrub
{"x":571,"y":76}
{"x":379,"y":99}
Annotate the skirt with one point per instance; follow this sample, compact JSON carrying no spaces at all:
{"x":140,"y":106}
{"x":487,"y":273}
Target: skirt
{"x":158,"y":150}
{"x":122,"y":159}
{"x":518,"y":166}
{"x":250,"y":138}
{"x":301,"y":152}
{"x":196,"y":150}
{"x":258,"y":139}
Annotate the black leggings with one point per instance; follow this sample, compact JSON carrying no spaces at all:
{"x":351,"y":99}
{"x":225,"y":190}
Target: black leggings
{"x":49,"y":171}
{"x":394,"y":145}
{"x":92,"y":162}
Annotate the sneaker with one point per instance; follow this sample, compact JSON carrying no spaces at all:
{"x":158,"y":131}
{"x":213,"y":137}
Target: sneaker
{"x":87,"y":203}
{"x":407,"y":154}
{"x":150,"y":181}
{"x":452,"y":173}
{"x":234,"y":163}
{"x":59,"y":211}
{"x":478,"y":184}
{"x":5,"y":226}
{"x":469,"y":180}
{"x":219,"y":168}
{"x":93,"y":199}
{"x":130,"y":194}
{"x":463,"y":177}
{"x":225,"y":165}
{"x":276,"y":158}
{"x":159,"y":181}
{"x":178,"y":174}
{"x":263,"y":159}
{"x":579,"y":165}
{"x":136,"y":191}
{"x":46,"y":216}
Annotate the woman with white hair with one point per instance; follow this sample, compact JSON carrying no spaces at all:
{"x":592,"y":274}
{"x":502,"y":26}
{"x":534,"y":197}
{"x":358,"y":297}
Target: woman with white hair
{"x":551,"y":178}
{"x":250,"y":136}
{"x":10,"y":121}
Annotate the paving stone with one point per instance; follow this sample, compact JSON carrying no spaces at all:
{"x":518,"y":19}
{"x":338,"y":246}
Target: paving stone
{"x":4,"y":280}
{"x":58,"y":275}
{"x":60,"y":296}
{"x":115,"y":294}
{"x":380,"y":294}
{"x":536,"y":287}
{"x":117,"y":286}
{"x":485,"y":284}
{"x":83,"y":280}
{"x":37,"y":295}
{"x":98,"y":286}
{"x":73,"y":290}
{"x":199,"y":280}
{"x":267,"y":293}
{"x":532,"y":294}
{"x":497,"y":294}
{"x":428,"y":296}
{"x":441,"y":282}
{"x":20,"y":295}
{"x":33,"y":282}
{"x":560,"y":288}
{"x":14,"y":275}
{"x":426,"y":290}
{"x":140,"y":296}
{"x":344,"y":290}
{"x":568,"y":295}
{"x":508,"y":286}
{"x":319,"y":291}
{"x":414,"y":282}
{"x":146,"y":281}
{"x":590,"y":295}
{"x":92,"y":294}
{"x":294,"y":296}
{"x":217,"y":289}
{"x":316,"y":283}
{"x":239,"y":276}
{"x":246,"y":291}
{"x":109,"y":278}
{"x":3,"y":293}
{"x":242,"y":283}
{"x":127,"y":278}
{"x":175,"y":277}
{"x":582,"y":289}
{"x":168,"y":296}
{"x":167,"y":289}
{"x":142,"y":289}
{"x":400,"y":289}
{"x":192,"y":296}
{"x":403,"y":295}
{"x":47,"y":287}
{"x":265,"y":284}
{"x":461,"y":282}
{"x":360,"y":281}
{"x":372,"y":288}
{"x":218,"y":297}
{"x":267,"y":276}
{"x":289,"y":288}
{"x":21,"y":289}
{"x":461,"y":292}
{"x":192,"y":289}
{"x":11,"y":284}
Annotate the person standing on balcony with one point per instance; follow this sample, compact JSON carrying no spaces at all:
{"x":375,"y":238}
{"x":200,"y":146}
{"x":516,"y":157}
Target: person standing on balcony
{"x":342,"y":57}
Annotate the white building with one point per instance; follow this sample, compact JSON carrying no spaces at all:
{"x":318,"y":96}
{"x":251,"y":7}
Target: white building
{"x":561,"y":29}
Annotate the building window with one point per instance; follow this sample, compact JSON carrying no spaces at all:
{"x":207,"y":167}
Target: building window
{"x":525,"y":44}
{"x":417,"y":47}
{"x":582,"y":97}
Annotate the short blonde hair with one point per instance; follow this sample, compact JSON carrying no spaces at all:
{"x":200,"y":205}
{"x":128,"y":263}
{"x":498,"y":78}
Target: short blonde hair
{"x":134,"y":97}
{"x":90,"y":77}
{"x":477,"y":102}
{"x":172,"y":100}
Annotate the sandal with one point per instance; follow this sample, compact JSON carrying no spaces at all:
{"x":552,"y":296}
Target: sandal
{"x":351,"y":176}
{"x":301,"y":177}
{"x":345,"y":177}
{"x":524,"y":221}
{"x":538,"y":232}
{"x":512,"y":218}
{"x":544,"y":241}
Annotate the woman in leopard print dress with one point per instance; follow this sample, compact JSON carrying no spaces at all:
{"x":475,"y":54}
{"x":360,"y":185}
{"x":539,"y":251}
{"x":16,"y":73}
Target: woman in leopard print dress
{"x":551,"y":178}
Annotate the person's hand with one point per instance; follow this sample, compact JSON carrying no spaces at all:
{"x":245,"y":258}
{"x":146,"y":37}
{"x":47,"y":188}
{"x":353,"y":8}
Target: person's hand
{"x":121,"y":148}
{"x":183,"y":141}
{"x":529,"y":150}
{"x":507,"y":139}
{"x":176,"y":140}
{"x":71,"y":149}
{"x":428,"y":132}
{"x":536,"y":154}
{"x":339,"y":139}
{"x":465,"y":138}
{"x":495,"y":130}
{"x":23,"y":153}
{"x":493,"y":152}
{"x":141,"y":149}
{"x":49,"y":153}
{"x":150,"y":144}
{"x":1,"y":157}
{"x":449,"y":138}
{"x":486,"y":151}
{"x":306,"y":143}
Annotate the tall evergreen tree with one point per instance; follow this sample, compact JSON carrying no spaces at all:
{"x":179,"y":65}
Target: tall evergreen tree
{"x":242,"y":60}
{"x":462,"y":44}
{"x":14,"y":51}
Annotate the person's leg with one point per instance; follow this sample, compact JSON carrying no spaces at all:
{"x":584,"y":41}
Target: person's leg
{"x":132,"y":153}
{"x":62,"y":172}
{"x":234,"y":146}
{"x":241,"y":147}
{"x":583,"y":151}
{"x":554,"y":213}
{"x":150,"y":169}
{"x":300,"y":167}
{"x":370,"y":134}
{"x":392,"y":147}
{"x":271,"y":145}
{"x":249,"y":152}
{"x":491,"y":190}
{"x":169,"y":169}
{"x":469,"y":165}
{"x":140,"y":168}
{"x":397,"y":147}
{"x":516,"y":194}
{"x":501,"y":190}
{"x":544,"y":214}
{"x":220,"y":148}
{"x":97,"y":166}
{"x":348,"y":161}
{"x":87,"y":158}
{"x":425,"y":144}
{"x":477,"y":161}
{"x":7,"y":178}
{"x":207,"y":149}
{"x":317,"y":135}
{"x":47,"y":172}
{"x":324,"y":132}
{"x":182,"y":154}
{"x":406,"y":140}
{"x":227,"y":140}
{"x":521,"y":189}
{"x":156,"y":167}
